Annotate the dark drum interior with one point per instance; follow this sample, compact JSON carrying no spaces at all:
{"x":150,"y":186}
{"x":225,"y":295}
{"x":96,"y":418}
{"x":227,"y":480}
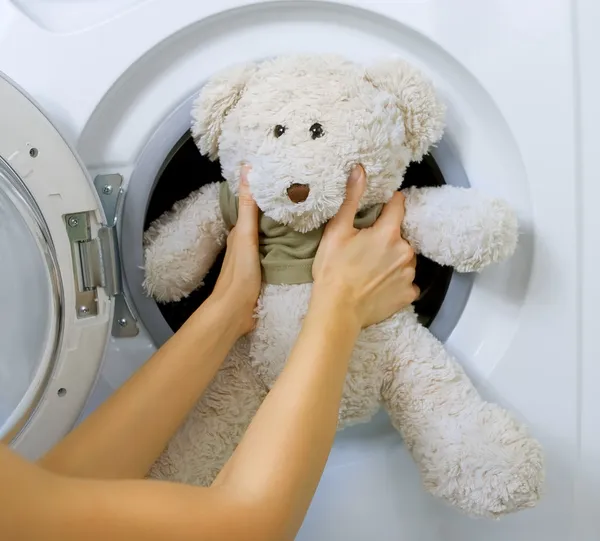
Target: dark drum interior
{"x":186,"y":170}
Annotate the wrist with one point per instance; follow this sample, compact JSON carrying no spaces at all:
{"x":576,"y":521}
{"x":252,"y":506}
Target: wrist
{"x":222,"y":316}
{"x":335,"y":303}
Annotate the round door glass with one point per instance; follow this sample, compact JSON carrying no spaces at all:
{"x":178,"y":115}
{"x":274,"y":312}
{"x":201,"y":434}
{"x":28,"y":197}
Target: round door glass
{"x":30,"y":314}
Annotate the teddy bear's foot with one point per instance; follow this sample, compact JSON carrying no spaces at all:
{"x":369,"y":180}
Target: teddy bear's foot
{"x":215,"y":426}
{"x":473,"y":454}
{"x":487,"y":466}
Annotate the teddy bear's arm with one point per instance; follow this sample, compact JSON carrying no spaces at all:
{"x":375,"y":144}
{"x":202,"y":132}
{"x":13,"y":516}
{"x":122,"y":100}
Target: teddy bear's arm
{"x":459,"y":227}
{"x":182,"y":244}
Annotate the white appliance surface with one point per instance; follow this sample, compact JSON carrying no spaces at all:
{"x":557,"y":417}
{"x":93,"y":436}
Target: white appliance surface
{"x":521,"y":86}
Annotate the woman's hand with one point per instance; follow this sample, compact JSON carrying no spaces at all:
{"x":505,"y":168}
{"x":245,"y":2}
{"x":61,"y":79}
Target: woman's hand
{"x":238,"y":285}
{"x":370,"y":271}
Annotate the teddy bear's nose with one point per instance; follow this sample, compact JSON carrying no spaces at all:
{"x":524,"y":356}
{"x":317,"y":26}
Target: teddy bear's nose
{"x":298,"y":192}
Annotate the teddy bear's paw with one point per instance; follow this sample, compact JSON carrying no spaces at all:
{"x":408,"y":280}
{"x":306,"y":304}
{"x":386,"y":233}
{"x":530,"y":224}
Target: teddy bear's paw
{"x":493,"y":238}
{"x":164,"y":290}
{"x":495,"y":468}
{"x":182,"y":244}
{"x":459,"y":227}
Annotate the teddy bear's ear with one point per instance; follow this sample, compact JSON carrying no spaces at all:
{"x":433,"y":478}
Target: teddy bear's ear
{"x":216,"y":98}
{"x":421,"y":108}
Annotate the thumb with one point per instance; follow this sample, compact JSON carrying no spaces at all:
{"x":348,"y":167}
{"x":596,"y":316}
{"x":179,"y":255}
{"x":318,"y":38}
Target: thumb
{"x":344,"y":218}
{"x":247,"y":221}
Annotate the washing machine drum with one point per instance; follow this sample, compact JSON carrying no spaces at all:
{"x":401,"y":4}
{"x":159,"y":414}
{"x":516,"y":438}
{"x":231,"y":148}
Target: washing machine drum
{"x":53,"y":284}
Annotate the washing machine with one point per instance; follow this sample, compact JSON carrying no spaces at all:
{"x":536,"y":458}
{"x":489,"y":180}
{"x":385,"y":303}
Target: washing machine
{"x":95,"y":99}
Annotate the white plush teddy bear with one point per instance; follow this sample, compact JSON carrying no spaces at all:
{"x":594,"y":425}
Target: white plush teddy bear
{"x":303,"y":122}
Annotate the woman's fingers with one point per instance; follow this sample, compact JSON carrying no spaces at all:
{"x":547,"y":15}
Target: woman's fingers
{"x":344,"y":219}
{"x":392,"y":213}
{"x":417,"y":292}
{"x":247,"y":222}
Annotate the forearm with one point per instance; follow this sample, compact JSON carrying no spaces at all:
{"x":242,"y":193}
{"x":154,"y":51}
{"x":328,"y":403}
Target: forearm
{"x":37,"y":504}
{"x":281,"y":458}
{"x":126,"y":434}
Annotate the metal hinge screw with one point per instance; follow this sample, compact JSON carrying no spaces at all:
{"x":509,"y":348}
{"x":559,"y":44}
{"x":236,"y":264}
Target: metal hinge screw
{"x":107,"y":190}
{"x":73,"y":222}
{"x":123,"y":322}
{"x":83,"y":309}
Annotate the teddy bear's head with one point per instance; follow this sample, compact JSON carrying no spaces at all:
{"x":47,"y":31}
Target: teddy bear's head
{"x":302,"y":122}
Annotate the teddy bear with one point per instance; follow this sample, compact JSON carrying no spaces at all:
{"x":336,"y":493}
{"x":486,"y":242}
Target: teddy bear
{"x":302,"y":122}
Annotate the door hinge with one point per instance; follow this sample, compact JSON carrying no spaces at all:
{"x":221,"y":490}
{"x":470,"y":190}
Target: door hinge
{"x":97,"y":259}
{"x":100,"y":262}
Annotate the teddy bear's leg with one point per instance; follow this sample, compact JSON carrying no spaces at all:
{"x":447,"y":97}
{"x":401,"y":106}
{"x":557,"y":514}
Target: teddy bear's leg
{"x":212,"y":430}
{"x":471,"y":453}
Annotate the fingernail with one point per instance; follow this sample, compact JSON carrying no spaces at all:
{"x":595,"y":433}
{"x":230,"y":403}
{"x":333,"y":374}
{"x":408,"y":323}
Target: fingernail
{"x":245,"y":170}
{"x":356,"y":173}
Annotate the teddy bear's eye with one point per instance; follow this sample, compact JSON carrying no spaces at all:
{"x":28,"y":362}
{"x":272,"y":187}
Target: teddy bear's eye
{"x":316,"y":131}
{"x":279,"y":130}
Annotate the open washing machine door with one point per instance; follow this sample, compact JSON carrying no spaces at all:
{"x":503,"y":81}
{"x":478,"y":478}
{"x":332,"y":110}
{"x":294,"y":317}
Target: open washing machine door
{"x":57,"y":278}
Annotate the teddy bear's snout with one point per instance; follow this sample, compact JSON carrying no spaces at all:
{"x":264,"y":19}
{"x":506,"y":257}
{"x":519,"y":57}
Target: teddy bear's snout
{"x":298,"y":192}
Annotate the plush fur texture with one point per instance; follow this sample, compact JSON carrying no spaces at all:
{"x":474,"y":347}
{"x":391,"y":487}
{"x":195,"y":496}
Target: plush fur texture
{"x":193,"y":230}
{"x":473,"y":454}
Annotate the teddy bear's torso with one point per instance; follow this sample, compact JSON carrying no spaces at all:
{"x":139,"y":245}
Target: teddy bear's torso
{"x":281,"y":310}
